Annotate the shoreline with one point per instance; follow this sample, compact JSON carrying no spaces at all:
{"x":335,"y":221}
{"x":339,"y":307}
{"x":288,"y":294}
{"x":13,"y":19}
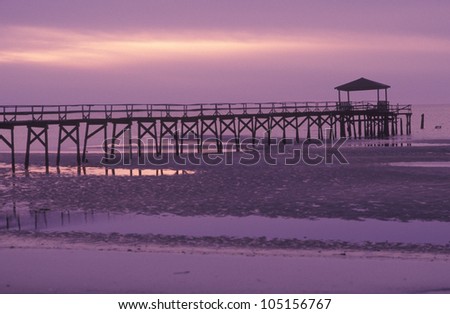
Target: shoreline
{"x":50,"y":242}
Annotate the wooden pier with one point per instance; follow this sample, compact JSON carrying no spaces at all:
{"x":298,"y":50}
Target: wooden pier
{"x":318,"y":120}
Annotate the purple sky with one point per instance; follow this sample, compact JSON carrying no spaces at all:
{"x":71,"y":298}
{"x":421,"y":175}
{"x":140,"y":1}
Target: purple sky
{"x":204,"y":51}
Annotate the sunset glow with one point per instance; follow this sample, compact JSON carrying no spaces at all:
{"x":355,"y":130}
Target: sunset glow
{"x":71,"y":49}
{"x":306,"y":48}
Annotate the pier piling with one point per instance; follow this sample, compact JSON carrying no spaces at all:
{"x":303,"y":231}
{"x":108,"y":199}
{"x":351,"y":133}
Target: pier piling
{"x":180,"y":122}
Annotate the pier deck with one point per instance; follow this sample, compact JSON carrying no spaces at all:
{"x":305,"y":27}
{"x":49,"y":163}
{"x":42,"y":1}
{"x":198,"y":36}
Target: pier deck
{"x":156,"y":121}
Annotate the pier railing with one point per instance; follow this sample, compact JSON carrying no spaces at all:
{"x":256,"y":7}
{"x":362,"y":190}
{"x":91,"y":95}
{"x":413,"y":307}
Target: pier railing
{"x":85,"y":112}
{"x":179,"y":121}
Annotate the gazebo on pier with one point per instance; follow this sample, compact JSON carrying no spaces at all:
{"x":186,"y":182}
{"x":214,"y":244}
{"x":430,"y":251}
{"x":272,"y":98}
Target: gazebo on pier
{"x":362,"y":84}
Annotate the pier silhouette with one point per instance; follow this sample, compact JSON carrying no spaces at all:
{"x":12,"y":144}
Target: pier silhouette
{"x":349,"y":119}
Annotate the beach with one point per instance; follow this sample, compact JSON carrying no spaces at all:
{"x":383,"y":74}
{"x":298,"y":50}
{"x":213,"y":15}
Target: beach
{"x":374,"y":225}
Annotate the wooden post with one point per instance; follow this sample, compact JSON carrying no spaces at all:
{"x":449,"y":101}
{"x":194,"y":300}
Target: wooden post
{"x":354,"y":126}
{"x":83,"y":158}
{"x":342,"y":125}
{"x":335,"y":127}
{"x":393,"y":123}
{"x":408,"y":126}
{"x":113,"y":142}
{"x":46,"y":151}
{"x":319,"y":128}
{"x":386,"y":125}
{"x":78,"y":146}
{"x":308,"y":135}
{"x":27,"y":152}
{"x":359,"y":126}
{"x":379,"y":126}
{"x":58,"y":153}
{"x":10,"y":144}
{"x":349,"y":127}
{"x":139,"y":142}
{"x":396,"y":125}
{"x":13,"y":159}
{"x":284,"y":130}
{"x":105,"y":139}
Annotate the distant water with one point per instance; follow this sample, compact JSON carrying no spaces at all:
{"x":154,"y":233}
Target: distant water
{"x":437,"y":122}
{"x":437,"y":126}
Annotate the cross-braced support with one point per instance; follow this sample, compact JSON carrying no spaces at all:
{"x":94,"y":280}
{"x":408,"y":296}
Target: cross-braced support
{"x":265,"y":124}
{"x":190,"y":126}
{"x":210,"y":125}
{"x":328,"y":121}
{"x":315,"y":121}
{"x":147,"y":128}
{"x":69,"y":131}
{"x":228,"y":123}
{"x":169,"y":127}
{"x":289,"y":122}
{"x":246,"y":123}
{"x":39,"y":133}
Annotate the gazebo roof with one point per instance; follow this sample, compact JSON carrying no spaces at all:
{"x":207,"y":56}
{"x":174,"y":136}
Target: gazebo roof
{"x":361,"y":84}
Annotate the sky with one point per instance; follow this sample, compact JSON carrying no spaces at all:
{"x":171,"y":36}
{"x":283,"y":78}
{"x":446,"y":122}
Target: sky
{"x":166,"y":51}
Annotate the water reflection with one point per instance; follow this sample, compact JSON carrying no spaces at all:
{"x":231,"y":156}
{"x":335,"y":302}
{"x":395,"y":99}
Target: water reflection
{"x":421,"y":164}
{"x":379,"y":143}
{"x":46,"y":220}
{"x":134,"y":172}
{"x":94,"y":171}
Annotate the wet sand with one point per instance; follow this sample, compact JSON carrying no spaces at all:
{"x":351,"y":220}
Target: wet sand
{"x":371,"y":187}
{"x":368,"y":187}
{"x":88,"y":271}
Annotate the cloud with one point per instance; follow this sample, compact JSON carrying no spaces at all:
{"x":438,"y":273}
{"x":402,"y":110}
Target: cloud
{"x":66,"y":48}
{"x":77,"y":49}
{"x":401,"y":17}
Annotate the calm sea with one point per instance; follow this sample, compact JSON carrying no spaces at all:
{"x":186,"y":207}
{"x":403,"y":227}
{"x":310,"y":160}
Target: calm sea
{"x":437,"y":122}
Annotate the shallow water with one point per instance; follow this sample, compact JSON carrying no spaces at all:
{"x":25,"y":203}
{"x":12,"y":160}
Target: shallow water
{"x":433,"y":232}
{"x":92,"y":171}
{"x":422,"y":164}
{"x":391,"y":143}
